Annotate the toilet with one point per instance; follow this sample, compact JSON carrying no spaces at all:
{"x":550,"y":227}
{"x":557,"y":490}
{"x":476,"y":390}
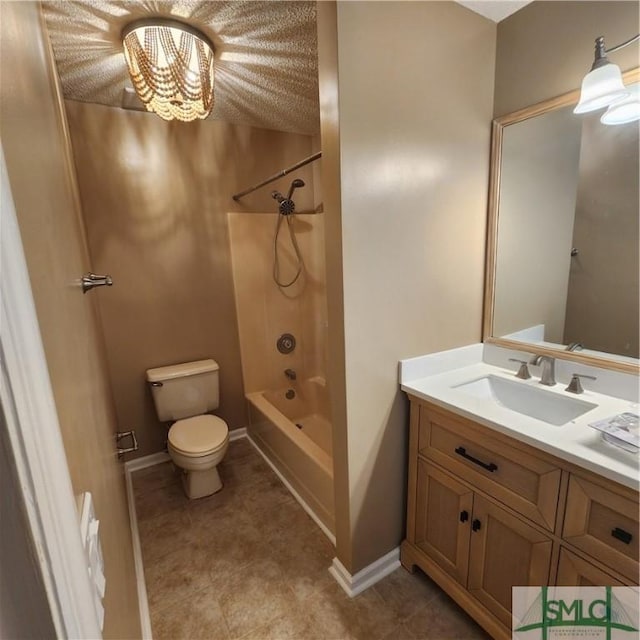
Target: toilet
{"x":184,"y":394}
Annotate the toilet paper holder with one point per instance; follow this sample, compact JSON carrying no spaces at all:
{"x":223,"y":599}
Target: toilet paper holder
{"x":121,"y":435}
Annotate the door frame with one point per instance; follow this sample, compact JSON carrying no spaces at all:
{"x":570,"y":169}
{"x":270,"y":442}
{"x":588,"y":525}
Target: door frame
{"x":36,"y":441}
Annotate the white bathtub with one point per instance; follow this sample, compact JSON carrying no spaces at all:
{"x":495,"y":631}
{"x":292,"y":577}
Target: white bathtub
{"x":295,"y":435}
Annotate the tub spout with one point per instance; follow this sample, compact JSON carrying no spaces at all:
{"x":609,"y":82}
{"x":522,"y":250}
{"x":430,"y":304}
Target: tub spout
{"x":290,"y":373}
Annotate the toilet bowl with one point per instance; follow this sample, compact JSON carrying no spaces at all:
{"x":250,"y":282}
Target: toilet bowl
{"x":184,"y":395}
{"x":197,"y":445}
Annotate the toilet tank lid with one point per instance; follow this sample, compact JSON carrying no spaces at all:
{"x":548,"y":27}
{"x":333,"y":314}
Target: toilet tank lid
{"x":179,"y":370}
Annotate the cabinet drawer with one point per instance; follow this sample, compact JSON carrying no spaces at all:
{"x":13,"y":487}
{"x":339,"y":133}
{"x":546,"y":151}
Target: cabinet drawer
{"x":604,"y":524}
{"x":574,"y":571}
{"x":520,"y":480}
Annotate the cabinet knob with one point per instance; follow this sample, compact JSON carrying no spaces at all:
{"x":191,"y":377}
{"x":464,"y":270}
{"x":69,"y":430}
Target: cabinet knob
{"x":464,"y":516}
{"x":476,"y":524}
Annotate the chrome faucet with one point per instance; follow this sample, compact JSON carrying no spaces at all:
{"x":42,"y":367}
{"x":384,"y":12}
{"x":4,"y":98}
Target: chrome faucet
{"x":548,"y":363}
{"x":290,"y":373}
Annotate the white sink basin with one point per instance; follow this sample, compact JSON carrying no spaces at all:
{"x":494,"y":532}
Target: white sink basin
{"x":528,"y":400}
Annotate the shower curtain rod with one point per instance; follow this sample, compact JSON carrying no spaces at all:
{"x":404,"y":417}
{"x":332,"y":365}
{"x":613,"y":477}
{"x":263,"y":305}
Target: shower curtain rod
{"x":282,"y":173}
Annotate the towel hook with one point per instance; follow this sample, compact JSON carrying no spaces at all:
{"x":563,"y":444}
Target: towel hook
{"x":91,"y":280}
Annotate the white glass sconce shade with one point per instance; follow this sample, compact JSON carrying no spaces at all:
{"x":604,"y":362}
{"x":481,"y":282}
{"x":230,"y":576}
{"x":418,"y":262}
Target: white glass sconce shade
{"x":624,"y":110}
{"x":600,"y":88}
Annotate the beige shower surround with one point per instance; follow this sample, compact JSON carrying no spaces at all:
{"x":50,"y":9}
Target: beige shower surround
{"x":265,"y":311}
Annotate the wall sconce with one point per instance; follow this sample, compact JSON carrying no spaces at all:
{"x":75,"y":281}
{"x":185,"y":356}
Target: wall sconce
{"x":603,"y":86}
{"x":171,"y":67}
{"x":624,"y":110}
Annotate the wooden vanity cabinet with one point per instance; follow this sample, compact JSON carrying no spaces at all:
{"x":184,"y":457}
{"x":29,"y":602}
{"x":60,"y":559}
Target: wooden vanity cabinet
{"x":485,"y":513}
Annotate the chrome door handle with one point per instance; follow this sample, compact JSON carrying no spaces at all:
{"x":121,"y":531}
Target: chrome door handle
{"x":91,"y":280}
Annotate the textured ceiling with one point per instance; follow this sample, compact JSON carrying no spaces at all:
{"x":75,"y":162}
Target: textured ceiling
{"x":266,"y":71}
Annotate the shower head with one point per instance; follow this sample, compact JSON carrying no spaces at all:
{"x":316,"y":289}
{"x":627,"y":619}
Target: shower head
{"x":296,"y":184}
{"x":286,"y":206}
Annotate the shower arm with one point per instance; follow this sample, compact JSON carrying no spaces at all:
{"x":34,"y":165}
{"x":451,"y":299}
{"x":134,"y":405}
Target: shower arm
{"x":276,"y":176}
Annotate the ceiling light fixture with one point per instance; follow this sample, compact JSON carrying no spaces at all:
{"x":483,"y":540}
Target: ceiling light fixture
{"x":171,"y":67}
{"x":603,"y":85}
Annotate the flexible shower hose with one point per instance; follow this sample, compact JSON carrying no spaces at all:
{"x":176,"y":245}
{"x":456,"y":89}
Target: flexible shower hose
{"x":296,"y":248}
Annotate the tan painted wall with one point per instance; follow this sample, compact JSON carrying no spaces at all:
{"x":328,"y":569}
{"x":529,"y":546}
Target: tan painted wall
{"x":266,"y":311}
{"x":538,"y":186}
{"x":37,"y":153}
{"x":546,"y":48}
{"x":155,"y":197}
{"x":414,"y":128}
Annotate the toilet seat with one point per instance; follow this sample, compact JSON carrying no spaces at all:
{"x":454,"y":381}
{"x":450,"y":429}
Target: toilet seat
{"x":198,"y":436}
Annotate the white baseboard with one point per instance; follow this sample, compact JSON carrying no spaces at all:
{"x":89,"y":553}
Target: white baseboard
{"x":295,"y":494}
{"x":367,"y":577}
{"x":146,"y":461}
{"x":236,"y":434}
{"x":143,"y":602}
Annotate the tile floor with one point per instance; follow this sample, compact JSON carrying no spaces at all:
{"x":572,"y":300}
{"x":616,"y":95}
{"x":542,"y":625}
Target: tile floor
{"x":249,"y":563}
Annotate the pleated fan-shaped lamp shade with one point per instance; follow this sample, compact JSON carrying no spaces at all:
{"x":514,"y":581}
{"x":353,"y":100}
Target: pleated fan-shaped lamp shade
{"x":171,"y":68}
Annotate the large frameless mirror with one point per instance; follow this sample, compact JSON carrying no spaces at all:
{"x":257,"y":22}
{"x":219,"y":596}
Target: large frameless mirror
{"x":563,"y":245}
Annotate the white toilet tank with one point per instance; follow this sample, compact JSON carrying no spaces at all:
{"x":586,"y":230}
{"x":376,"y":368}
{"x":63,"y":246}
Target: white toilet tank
{"x":185,"y":390}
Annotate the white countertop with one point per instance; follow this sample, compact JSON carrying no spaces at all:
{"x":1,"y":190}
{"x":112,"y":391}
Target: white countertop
{"x":434,"y":378}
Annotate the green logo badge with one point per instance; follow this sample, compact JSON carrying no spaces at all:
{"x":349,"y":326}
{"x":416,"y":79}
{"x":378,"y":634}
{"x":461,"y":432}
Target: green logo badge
{"x":575,"y":612}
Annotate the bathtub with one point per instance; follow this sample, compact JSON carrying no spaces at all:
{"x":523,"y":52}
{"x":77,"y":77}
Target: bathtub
{"x":294,"y":434}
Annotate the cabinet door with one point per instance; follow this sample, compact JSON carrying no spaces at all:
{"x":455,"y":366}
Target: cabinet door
{"x":504,"y":552}
{"x":574,"y":571}
{"x":443,"y":520}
